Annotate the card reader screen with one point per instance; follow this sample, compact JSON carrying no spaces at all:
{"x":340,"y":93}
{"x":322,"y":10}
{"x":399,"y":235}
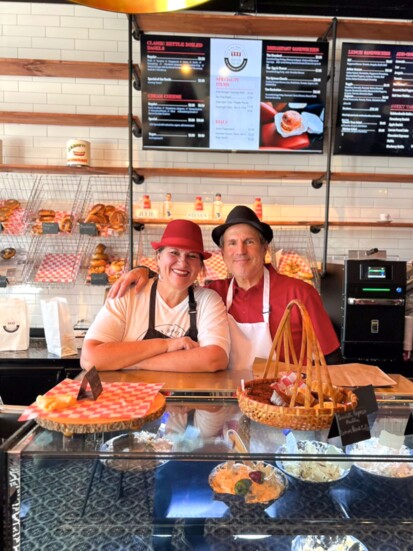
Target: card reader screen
{"x":376,"y":273}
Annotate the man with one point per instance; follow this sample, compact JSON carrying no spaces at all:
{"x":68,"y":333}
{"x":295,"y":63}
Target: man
{"x":256,"y":296}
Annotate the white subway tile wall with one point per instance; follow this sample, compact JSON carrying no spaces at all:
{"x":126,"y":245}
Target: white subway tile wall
{"x":70,"y":32}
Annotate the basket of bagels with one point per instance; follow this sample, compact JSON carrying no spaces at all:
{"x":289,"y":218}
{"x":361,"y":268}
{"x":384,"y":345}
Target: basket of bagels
{"x":296,"y":393}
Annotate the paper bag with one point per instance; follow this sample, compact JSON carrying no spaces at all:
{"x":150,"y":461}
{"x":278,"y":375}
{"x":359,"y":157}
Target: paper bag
{"x":14,"y":324}
{"x":58,"y":328}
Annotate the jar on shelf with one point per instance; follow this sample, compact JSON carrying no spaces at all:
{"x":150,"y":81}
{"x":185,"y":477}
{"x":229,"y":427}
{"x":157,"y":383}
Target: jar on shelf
{"x":258,"y":207}
{"x":199,"y":204}
{"x":146,"y":202}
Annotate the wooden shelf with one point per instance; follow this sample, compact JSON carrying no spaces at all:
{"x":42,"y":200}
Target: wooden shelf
{"x":214,"y":173}
{"x":65,"y":119}
{"x":272,"y":26}
{"x":66,"y":69}
{"x":289,"y":223}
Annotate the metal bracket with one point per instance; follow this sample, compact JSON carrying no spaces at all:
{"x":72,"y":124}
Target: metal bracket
{"x":137,"y":178}
{"x":136,"y":32}
{"x":325,"y":36}
{"x":136,"y":75}
{"x":318,"y":182}
{"x":138,"y":226}
{"x":316,"y":229}
{"x":136,"y":129}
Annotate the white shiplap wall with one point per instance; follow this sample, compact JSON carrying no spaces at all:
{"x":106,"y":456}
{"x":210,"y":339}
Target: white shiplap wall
{"x":70,"y":32}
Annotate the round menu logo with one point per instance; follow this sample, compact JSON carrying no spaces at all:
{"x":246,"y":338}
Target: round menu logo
{"x":235,"y":58}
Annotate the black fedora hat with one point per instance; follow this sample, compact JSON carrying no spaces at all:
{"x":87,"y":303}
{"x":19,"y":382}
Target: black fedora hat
{"x":242,"y":215}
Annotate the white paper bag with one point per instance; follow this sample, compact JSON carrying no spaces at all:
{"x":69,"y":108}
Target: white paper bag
{"x":14,"y":324}
{"x":58,"y":328}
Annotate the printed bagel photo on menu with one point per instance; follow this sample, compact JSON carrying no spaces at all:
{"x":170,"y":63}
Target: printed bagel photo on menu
{"x":233,"y":94}
{"x":292,"y":108}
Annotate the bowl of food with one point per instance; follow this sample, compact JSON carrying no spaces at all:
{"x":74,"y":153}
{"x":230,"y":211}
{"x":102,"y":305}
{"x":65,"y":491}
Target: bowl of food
{"x":379,"y":448}
{"x":142,"y":442}
{"x":327,"y":543}
{"x":313,"y":470}
{"x":247,"y":483}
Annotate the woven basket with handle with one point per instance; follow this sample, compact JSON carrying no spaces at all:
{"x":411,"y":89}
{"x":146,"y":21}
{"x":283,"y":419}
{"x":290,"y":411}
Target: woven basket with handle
{"x":254,"y":399}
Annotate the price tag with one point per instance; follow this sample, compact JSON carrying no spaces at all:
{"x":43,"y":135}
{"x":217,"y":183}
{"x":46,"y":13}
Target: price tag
{"x":351,"y":426}
{"x":198,"y":215}
{"x":3,"y":281}
{"x":92,"y":380}
{"x":99,"y":279}
{"x":50,"y":228}
{"x":1,"y":228}
{"x":366,"y":398}
{"x":88,"y":228}
{"x":146,"y":213}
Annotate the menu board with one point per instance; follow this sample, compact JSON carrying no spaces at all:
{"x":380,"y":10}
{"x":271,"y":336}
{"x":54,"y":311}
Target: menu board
{"x":227,"y":94}
{"x":375,"y":111}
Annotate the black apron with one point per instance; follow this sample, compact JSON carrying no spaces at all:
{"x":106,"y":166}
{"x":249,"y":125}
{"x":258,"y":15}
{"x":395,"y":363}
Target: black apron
{"x":152,"y":333}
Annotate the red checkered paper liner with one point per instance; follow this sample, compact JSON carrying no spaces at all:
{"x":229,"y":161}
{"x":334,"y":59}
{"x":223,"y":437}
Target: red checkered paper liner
{"x":288,"y":257}
{"x":58,"y":268}
{"x":117,"y":402}
{"x":215,"y":267}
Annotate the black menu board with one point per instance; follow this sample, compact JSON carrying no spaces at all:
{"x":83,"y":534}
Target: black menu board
{"x":227,"y":94}
{"x":375,"y":106}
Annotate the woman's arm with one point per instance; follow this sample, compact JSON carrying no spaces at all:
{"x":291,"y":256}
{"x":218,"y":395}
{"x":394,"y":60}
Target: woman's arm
{"x":112,"y":356}
{"x":196,"y":360}
{"x":138,"y":277}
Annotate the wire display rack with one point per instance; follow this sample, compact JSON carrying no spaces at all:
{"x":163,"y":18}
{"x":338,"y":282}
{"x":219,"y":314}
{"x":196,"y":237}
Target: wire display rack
{"x":54,"y":262}
{"x":292,"y":253}
{"x":59,"y":195}
{"x":116,"y":249}
{"x":145,"y":254}
{"x":12,"y":268}
{"x":14,"y":188}
{"x":106,"y":205}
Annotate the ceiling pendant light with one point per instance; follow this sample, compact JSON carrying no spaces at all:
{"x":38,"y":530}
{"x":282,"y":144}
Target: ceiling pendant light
{"x":140,"y":6}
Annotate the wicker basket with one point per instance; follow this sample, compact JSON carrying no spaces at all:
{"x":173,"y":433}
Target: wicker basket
{"x":254,"y":399}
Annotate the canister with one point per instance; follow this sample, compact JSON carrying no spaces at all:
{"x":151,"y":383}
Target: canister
{"x":78,"y":153}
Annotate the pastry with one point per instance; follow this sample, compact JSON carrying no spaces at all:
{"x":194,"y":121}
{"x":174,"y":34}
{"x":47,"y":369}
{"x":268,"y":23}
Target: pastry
{"x":7,"y":253}
{"x":117,"y":265}
{"x":96,"y":263}
{"x":55,"y":403}
{"x":100,"y":248}
{"x":99,"y":208}
{"x":117,"y":219}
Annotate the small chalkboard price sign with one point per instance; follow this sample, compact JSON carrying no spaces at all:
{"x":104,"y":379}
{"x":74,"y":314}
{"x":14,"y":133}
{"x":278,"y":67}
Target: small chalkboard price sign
{"x":92,"y":380}
{"x":88,"y":228}
{"x":353,"y":426}
{"x":3,"y":281}
{"x":50,"y":228}
{"x":99,"y":279}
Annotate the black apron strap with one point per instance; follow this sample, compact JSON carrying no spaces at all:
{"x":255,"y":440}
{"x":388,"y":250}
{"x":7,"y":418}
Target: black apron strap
{"x":193,"y":331}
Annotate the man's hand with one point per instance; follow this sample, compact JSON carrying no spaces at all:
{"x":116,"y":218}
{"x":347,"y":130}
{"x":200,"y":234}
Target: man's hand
{"x":137,"y":277}
{"x":183,"y":343}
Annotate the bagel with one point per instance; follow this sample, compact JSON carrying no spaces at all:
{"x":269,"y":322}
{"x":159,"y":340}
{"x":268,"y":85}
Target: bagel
{"x":97,"y":269}
{"x":96,"y":219}
{"x":117,"y":265}
{"x":47,"y":218}
{"x":99,"y":208}
{"x":65,"y":224}
{"x":109,"y":209}
{"x":8,"y":253}
{"x":290,"y":121}
{"x":96,"y":263}
{"x":12,"y":204}
{"x":100,"y":256}
{"x":4,"y":214}
{"x":46,"y":212}
{"x":117,"y":218}
{"x":99,"y":249}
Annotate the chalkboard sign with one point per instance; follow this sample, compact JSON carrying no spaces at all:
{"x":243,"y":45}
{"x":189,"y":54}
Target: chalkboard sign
{"x":50,"y":228}
{"x":351,"y":426}
{"x":99,"y":279}
{"x":3,"y":281}
{"x":87,"y":228}
{"x":92,"y":380}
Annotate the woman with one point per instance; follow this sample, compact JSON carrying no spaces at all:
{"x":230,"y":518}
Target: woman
{"x":170,"y":325}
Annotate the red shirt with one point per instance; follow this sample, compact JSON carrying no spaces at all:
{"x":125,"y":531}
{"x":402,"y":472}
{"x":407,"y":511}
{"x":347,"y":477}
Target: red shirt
{"x":247,"y":307}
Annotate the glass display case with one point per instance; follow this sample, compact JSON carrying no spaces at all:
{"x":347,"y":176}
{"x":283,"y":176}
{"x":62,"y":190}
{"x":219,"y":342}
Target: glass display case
{"x":205,"y":477}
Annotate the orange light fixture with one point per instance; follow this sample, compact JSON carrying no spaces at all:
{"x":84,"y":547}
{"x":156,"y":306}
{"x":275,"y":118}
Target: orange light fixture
{"x":140,"y":6}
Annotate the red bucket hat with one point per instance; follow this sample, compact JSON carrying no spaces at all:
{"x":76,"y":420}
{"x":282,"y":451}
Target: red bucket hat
{"x":183,"y":234}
